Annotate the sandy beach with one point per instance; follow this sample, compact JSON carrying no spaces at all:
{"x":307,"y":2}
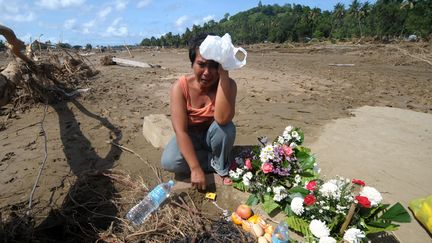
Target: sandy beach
{"x":370,"y":120}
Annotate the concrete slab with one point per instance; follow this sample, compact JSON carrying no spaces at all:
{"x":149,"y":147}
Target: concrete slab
{"x":157,"y":130}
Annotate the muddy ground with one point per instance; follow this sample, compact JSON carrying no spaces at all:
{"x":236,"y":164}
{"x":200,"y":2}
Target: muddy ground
{"x":280,"y":85}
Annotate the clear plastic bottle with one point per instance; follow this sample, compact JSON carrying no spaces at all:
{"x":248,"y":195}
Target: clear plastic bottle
{"x":140,"y":212}
{"x":280,"y":234}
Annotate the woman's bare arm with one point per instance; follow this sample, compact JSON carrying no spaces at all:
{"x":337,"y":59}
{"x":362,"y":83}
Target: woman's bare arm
{"x":225,"y":98}
{"x":180,"y":124}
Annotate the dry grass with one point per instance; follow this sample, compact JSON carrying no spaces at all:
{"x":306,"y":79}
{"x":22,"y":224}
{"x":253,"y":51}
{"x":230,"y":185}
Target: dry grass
{"x":94,"y":209}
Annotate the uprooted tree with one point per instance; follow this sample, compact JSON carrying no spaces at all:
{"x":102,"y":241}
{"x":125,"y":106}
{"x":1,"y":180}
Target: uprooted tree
{"x":49,"y":78}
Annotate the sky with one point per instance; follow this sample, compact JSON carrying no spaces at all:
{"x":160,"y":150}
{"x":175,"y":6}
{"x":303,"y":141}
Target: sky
{"x":118,"y":22}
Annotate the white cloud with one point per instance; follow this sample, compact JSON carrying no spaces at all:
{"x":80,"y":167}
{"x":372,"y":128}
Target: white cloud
{"x":56,"y":4}
{"x":90,"y":24}
{"x":180,"y":21}
{"x":20,"y":17}
{"x":104,"y":12}
{"x":86,"y":27}
{"x":119,"y":32}
{"x":143,"y":3}
{"x":70,"y":24}
{"x":116,"y":21}
{"x":17,"y":11}
{"x":120,"y":4}
{"x":208,"y":18}
{"x":116,"y":29}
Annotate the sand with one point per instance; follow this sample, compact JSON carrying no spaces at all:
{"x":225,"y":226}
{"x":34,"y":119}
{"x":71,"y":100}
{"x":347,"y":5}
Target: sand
{"x":279,"y":86}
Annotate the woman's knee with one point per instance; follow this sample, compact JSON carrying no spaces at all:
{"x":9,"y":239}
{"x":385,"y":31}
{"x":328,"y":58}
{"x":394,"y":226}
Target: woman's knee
{"x":228,"y":130}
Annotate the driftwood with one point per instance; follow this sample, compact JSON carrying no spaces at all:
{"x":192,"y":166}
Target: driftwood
{"x":342,"y":65}
{"x":24,"y":82}
{"x":126,"y":62}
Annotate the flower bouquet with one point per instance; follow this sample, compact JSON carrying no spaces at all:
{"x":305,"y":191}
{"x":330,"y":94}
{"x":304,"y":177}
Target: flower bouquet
{"x":342,"y":209}
{"x":273,"y":171}
{"x":283,"y":175}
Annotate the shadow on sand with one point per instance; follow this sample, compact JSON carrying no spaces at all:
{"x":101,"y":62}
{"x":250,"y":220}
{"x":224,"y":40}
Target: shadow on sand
{"x":87,"y":207}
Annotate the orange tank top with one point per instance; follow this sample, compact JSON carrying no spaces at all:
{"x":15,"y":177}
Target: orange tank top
{"x":196,"y":116}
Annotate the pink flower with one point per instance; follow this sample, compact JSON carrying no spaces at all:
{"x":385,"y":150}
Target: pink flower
{"x":248,"y":164}
{"x":267,"y":167}
{"x":288,"y":151}
{"x":359,"y":182}
{"x":311,"y":186}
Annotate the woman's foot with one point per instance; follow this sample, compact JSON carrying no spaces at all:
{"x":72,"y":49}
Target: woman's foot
{"x":222,"y":180}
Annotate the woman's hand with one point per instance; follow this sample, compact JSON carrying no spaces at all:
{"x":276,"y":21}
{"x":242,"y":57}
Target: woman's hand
{"x":198,"y":179}
{"x":223,"y":74}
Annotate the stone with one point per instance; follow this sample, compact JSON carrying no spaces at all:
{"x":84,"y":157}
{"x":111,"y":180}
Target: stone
{"x":157,"y":130}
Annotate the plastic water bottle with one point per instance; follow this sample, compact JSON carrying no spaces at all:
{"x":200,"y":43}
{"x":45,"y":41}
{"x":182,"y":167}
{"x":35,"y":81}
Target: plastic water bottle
{"x":280,"y":234}
{"x":140,"y":212}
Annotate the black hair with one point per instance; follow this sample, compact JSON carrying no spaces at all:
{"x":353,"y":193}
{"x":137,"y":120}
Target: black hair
{"x":194,"y":44}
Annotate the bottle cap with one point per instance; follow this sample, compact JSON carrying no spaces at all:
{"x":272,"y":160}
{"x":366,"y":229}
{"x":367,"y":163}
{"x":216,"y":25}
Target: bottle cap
{"x":171,"y":182}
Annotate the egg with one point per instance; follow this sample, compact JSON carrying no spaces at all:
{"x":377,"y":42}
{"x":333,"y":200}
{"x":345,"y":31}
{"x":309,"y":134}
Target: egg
{"x":262,"y":239}
{"x":257,"y":230}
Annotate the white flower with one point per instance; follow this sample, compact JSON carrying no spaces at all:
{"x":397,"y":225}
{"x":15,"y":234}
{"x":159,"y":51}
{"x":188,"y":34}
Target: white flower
{"x":246,"y":178}
{"x":280,"y":193}
{"x":330,"y":190}
{"x":297,"y":178}
{"x":267,"y":153}
{"x":319,"y":229}
{"x":286,"y":135}
{"x":353,"y":235}
{"x":288,"y":129}
{"x":280,"y":140}
{"x":327,"y":239}
{"x":233,"y":175}
{"x":297,"y":205}
{"x":293,"y":145}
{"x":295,"y":135}
{"x":372,"y":194}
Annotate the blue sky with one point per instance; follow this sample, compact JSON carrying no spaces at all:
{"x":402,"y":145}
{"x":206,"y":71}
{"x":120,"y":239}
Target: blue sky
{"x":111,"y":22}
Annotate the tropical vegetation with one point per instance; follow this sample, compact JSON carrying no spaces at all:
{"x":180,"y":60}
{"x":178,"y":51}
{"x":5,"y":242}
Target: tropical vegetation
{"x":382,"y":20}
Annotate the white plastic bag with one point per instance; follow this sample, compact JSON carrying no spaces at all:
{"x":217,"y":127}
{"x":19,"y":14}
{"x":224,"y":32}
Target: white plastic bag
{"x":222,"y":51}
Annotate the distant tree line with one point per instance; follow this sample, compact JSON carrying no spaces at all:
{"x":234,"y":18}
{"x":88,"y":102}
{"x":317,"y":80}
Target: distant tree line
{"x":293,"y":22}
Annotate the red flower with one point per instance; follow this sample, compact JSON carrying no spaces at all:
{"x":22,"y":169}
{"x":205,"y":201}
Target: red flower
{"x":311,"y":186}
{"x":309,"y":200}
{"x":359,"y":182}
{"x":363,"y":201}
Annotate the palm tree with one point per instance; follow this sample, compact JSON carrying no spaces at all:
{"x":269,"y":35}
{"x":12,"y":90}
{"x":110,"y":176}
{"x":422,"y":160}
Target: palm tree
{"x":354,"y":11}
{"x":338,"y":15}
{"x":406,"y":5}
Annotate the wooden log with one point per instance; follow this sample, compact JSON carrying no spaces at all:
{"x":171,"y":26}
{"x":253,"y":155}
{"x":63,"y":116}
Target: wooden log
{"x":131,"y":63}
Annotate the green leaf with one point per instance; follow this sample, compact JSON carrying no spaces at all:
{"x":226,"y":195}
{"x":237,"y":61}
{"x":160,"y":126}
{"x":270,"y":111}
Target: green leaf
{"x":397,"y":213}
{"x":252,"y":200}
{"x":240,"y":186}
{"x":287,"y":210}
{"x":298,"y":189}
{"x":298,"y":225}
{"x":371,"y":229}
{"x":269,"y":204}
